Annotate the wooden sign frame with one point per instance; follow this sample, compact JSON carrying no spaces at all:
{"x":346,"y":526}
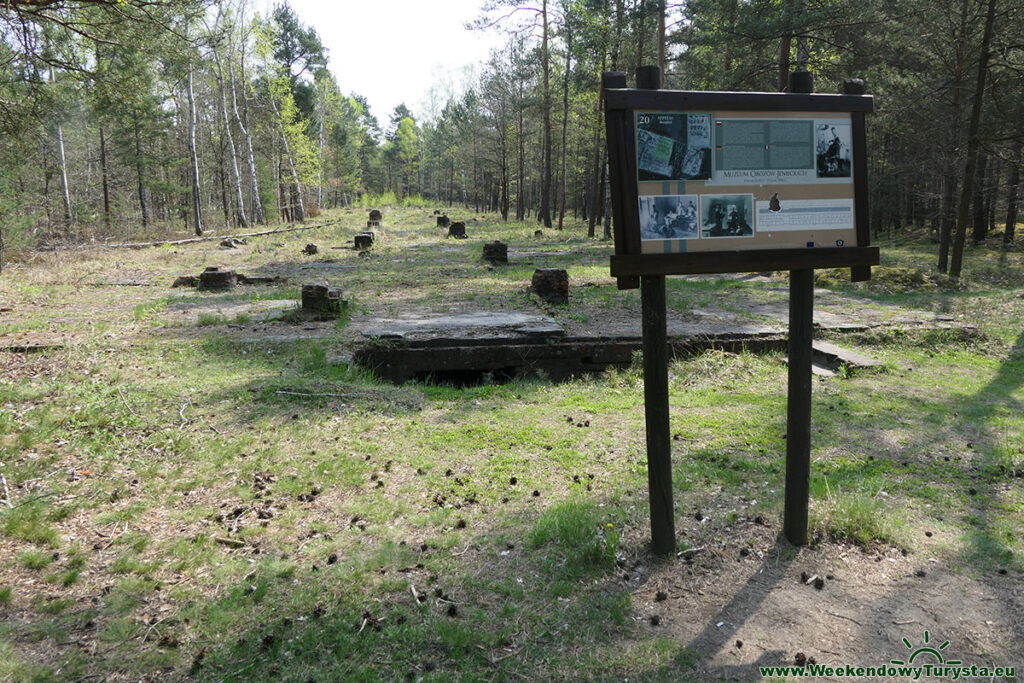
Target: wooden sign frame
{"x":622,"y":104}
{"x":648,"y":271}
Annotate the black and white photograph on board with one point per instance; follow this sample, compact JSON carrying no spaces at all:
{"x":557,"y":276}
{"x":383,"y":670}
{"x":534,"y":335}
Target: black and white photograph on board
{"x":832,"y":141}
{"x":673,"y":146}
{"x":727,"y":215}
{"x":668,"y":217}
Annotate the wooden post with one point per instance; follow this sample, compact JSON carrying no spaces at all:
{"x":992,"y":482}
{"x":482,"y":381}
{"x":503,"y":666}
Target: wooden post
{"x":659,"y":445}
{"x":798,"y":412}
{"x":656,"y":413}
{"x":798,"y":415}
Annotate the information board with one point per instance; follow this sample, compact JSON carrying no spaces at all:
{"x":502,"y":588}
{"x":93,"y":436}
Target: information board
{"x":710,"y":181}
{"x":723,"y":173}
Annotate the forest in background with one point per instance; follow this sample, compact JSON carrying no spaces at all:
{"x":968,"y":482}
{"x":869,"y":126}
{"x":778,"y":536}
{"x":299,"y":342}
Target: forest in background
{"x":140,"y":118}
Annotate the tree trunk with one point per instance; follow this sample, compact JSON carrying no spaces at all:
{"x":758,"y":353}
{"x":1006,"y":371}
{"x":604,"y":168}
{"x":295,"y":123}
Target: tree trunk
{"x":140,"y":171}
{"x":661,"y":36}
{"x":973,"y":144}
{"x":640,"y":11}
{"x":322,"y":106}
{"x":607,"y":201}
{"x":545,"y":190}
{"x":785,"y":45}
{"x":991,"y":193}
{"x":197,"y":198}
{"x":503,"y":137}
{"x":979,"y":222}
{"x":65,"y":191}
{"x":595,"y":195}
{"x":565,"y":116}
{"x":222,"y":177}
{"x":45,"y":154}
{"x":254,"y":188}
{"x":728,"y":47}
{"x":1011,"y":195}
{"x":617,"y":42}
{"x":948,"y":217}
{"x":235,"y":175}
{"x":103,"y":175}
{"x":300,"y":210}
{"x":63,"y":162}
{"x":521,"y":171}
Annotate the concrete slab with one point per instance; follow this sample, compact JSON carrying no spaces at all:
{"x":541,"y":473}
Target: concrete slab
{"x":189,"y":311}
{"x":819,"y":370}
{"x":837,"y":355}
{"x":462,"y":326}
{"x":325,"y":268}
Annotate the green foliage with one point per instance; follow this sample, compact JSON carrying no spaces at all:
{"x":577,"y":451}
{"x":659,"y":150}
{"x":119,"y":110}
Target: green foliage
{"x":30,"y":522}
{"x":35,"y":559}
{"x":148,"y":309}
{"x":580,"y":535}
{"x":857,"y":518}
{"x":894,"y":280}
{"x":210,"y":319}
{"x":373,"y":201}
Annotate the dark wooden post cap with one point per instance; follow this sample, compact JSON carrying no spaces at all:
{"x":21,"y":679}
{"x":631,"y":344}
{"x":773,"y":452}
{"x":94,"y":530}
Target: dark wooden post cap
{"x":648,"y":77}
{"x":613,"y":79}
{"x":801,"y":82}
{"x":854,"y":86}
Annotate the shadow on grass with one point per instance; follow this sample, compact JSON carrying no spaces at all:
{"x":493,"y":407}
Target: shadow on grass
{"x":401,"y":610}
{"x":987,"y":542}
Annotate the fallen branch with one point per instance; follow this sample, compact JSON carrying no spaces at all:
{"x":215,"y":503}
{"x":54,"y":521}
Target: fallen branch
{"x":843,"y":616}
{"x":690,"y":552}
{"x":181,"y":414}
{"x":7,"y":492}
{"x":302,"y":393}
{"x":125,"y":402}
{"x":230,"y":542}
{"x":41,"y":496}
{"x":209,"y":238}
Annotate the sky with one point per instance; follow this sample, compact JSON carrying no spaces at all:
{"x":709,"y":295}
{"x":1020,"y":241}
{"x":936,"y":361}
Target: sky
{"x":393,"y":51}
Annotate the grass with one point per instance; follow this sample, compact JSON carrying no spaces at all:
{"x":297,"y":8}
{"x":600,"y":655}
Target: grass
{"x":856,"y":518}
{"x":224,"y":498}
{"x":35,"y":559}
{"x":579,"y":534}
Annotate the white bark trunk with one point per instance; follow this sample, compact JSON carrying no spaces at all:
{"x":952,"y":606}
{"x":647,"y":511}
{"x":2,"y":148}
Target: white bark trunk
{"x":231,"y":144}
{"x":65,"y":192}
{"x":257,"y":207}
{"x":197,"y":198}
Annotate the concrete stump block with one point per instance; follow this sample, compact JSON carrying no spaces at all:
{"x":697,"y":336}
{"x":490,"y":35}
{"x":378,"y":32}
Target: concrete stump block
{"x":496,"y":252}
{"x":538,"y":233}
{"x":215,"y":278}
{"x":443,"y":221}
{"x":372,"y":224}
{"x":457,"y":230}
{"x":320,"y":297}
{"x":363,"y":240}
{"x":310,"y":249}
{"x":551,"y":284}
